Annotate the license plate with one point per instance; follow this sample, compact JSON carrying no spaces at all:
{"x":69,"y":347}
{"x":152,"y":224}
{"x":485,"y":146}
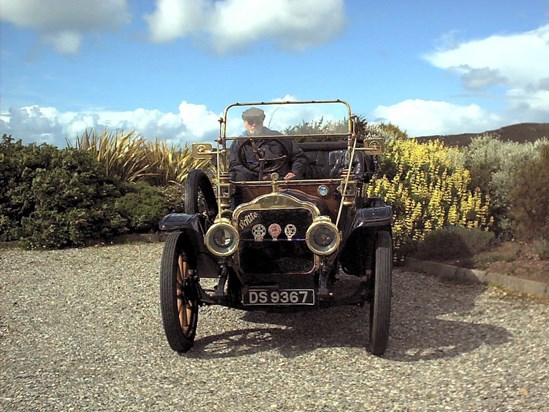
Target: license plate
{"x":279,"y":297}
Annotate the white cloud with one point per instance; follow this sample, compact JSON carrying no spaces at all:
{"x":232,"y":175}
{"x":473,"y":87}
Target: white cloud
{"x":192,"y":122}
{"x":61,"y":23}
{"x":49,"y":125}
{"x":517,"y":59}
{"x":232,"y":24}
{"x":174,"y":18}
{"x":517,"y":62}
{"x":425,"y":117}
{"x":200,"y":121}
{"x":64,"y":42}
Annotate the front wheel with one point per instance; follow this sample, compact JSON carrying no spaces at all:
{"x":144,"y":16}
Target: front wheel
{"x":380,"y":305}
{"x":178,"y":293}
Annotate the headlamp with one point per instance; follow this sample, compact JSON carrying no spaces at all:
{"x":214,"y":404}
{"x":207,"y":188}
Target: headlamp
{"x":322,"y":237}
{"x":222,"y":238}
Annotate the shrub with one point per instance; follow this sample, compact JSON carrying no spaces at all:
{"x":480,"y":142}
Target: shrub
{"x":493,"y":164}
{"x":18,"y":167}
{"x":55,"y":198}
{"x":73,"y":203}
{"x":175,"y":199}
{"x":443,"y":245}
{"x":529,"y":196}
{"x":45,"y":229}
{"x":428,"y":188}
{"x":143,"y":206}
{"x":10,"y":177}
{"x":541,"y":247}
{"x":454,"y":243}
{"x":172,"y":163}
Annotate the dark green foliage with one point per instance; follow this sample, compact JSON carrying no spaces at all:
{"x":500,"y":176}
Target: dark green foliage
{"x":19,"y":165}
{"x":10,"y":173}
{"x":529,"y":196}
{"x":175,"y":199}
{"x":75,"y":227}
{"x":143,"y":206}
{"x":55,"y":198}
{"x":453,"y":243}
{"x":443,"y":245}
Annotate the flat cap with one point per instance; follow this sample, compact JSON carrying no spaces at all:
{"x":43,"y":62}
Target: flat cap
{"x":253,"y":113}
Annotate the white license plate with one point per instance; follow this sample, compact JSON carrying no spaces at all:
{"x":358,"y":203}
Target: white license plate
{"x":279,"y":297}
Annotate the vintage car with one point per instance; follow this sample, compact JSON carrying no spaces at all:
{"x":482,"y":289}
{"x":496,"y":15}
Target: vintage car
{"x":276,"y":244}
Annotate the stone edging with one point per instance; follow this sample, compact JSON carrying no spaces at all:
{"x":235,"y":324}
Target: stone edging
{"x":460,"y":274}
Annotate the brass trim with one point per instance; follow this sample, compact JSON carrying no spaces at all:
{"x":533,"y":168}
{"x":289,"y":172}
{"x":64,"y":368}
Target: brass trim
{"x":226,"y":223}
{"x":271,"y":201}
{"x":372,"y":146}
{"x":323,"y":221}
{"x":202,"y":151}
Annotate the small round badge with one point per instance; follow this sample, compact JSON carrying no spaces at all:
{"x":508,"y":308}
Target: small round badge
{"x":275,"y":230}
{"x":290,"y":231}
{"x":259,"y":232}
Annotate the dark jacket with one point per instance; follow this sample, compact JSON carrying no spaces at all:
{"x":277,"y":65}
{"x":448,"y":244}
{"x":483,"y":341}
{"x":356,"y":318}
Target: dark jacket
{"x":297,"y":160}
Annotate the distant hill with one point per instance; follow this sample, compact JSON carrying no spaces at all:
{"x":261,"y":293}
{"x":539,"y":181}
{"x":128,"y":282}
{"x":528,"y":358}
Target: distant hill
{"x":522,"y":132}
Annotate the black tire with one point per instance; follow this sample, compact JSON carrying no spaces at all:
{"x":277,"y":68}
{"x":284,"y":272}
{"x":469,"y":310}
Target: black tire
{"x":380,"y":305}
{"x":178,"y":293}
{"x":199,"y":194}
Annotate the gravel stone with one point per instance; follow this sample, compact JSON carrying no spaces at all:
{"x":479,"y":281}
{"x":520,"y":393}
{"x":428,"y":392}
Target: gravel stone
{"x":80,"y":330}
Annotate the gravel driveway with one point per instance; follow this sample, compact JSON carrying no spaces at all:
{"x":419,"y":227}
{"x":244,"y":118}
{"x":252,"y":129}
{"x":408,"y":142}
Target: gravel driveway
{"x":80,"y":330}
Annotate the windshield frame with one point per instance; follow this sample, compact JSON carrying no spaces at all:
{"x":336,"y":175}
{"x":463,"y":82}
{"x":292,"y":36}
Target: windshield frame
{"x":223,"y":137}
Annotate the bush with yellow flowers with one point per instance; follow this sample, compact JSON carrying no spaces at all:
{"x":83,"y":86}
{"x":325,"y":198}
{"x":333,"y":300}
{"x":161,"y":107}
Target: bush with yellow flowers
{"x":429,"y":188}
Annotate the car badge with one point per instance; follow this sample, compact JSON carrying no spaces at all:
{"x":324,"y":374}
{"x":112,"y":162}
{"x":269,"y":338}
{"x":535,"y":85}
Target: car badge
{"x":259,"y":232}
{"x":290,"y":231}
{"x":275,"y":230}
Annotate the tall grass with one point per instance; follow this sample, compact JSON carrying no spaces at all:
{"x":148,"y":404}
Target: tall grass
{"x":131,"y":158}
{"x":122,"y":154}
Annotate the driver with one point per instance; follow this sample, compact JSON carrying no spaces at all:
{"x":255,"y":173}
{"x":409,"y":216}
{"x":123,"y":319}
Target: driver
{"x":293,"y":168}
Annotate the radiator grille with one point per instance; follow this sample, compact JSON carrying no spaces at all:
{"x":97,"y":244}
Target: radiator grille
{"x":282,"y":255}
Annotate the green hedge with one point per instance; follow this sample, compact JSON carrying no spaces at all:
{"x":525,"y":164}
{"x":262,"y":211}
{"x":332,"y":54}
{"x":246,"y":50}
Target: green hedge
{"x":54,"y":198}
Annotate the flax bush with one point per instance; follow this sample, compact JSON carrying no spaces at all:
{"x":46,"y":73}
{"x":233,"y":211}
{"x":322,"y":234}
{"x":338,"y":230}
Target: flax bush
{"x":131,"y":158}
{"x":122,"y":154}
{"x":429,"y":188}
{"x":171,"y":163}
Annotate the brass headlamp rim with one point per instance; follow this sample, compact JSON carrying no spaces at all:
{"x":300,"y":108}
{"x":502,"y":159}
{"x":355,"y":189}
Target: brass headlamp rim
{"x":223,"y":223}
{"x":318,"y":222}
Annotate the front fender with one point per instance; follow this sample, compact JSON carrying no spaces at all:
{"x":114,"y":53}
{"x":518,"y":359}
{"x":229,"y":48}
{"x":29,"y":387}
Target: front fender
{"x":369,"y":217}
{"x":192,"y":227}
{"x":357,"y":249}
{"x":180,"y":221}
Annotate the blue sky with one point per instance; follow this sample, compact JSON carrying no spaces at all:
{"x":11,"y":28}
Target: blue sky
{"x":167,"y":68}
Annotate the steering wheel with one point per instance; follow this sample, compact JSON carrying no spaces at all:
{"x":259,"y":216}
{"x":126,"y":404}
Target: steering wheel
{"x":264,"y":164}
